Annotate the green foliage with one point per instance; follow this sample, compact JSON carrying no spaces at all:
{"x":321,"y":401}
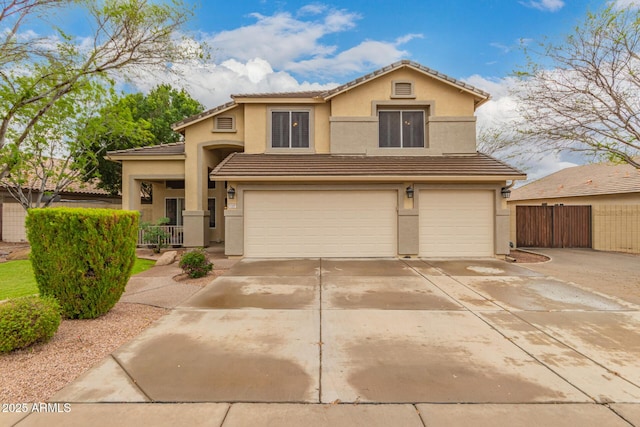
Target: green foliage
{"x":195,"y":263}
{"x":82,"y":257}
{"x":17,"y":279}
{"x":155,"y":234}
{"x":137,"y":120}
{"x":27,"y":320}
{"x":39,"y":75}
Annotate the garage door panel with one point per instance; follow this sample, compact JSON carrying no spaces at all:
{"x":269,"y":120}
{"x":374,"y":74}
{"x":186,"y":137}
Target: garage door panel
{"x":320,"y":223}
{"x":456,"y":223}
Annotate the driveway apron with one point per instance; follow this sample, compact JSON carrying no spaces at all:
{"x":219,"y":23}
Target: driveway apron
{"x":380,"y":331}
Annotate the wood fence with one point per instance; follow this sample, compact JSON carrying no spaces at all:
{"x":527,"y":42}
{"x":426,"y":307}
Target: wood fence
{"x":555,"y":226}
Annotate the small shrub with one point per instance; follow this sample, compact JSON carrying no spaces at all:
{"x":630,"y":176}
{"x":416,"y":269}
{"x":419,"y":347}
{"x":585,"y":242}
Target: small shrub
{"x":155,"y":234}
{"x":27,"y":320}
{"x":195,"y":263}
{"x":82,"y":257}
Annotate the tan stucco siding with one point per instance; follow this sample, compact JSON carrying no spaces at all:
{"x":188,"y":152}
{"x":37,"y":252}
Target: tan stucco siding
{"x":204,"y":131}
{"x":14,"y":215}
{"x":255,"y":128}
{"x":321,"y":131}
{"x":448,"y":100}
{"x":136,"y":171}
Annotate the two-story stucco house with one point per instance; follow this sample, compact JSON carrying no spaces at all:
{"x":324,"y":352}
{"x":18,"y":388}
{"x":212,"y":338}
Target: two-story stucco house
{"x":383,"y":166}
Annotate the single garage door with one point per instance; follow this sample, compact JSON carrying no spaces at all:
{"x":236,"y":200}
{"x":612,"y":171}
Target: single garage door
{"x":456,"y":223}
{"x":320,"y":223}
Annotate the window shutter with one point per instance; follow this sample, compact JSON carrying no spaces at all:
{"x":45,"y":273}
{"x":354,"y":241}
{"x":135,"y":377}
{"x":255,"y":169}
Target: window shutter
{"x":224,"y":123}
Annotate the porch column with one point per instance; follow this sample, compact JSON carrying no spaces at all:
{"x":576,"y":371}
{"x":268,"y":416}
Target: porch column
{"x":196,"y":228}
{"x":131,"y":188}
{"x":195,"y":217}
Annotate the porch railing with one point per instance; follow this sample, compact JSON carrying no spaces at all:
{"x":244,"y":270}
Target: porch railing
{"x":173,"y":235}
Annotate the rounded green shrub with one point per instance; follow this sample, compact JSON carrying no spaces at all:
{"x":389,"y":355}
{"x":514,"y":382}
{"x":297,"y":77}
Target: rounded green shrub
{"x":27,"y":320}
{"x":195,"y":263}
{"x":82,"y":257}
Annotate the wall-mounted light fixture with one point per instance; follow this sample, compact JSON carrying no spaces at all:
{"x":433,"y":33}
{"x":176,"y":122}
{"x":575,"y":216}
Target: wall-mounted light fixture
{"x":231,"y":193}
{"x":506,"y":192}
{"x":409,"y":191}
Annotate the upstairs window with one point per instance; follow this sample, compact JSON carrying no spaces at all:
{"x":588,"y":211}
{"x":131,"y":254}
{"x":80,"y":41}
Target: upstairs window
{"x":290,"y":129}
{"x":401,"y":129}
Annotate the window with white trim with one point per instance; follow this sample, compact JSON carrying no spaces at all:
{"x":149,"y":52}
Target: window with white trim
{"x":173,"y":207}
{"x":290,"y":129}
{"x":401,"y":129}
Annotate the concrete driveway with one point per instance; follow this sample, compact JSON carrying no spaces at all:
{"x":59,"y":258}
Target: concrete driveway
{"x":506,"y":343}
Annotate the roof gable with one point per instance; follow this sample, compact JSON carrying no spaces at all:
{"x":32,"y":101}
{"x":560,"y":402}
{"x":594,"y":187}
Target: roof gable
{"x":479,"y":94}
{"x":320,"y":96}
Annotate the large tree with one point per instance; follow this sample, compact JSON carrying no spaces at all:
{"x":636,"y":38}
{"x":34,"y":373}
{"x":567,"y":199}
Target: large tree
{"x":37,"y":75}
{"x":141,"y":120}
{"x":56,"y":153}
{"x":583,"y":94}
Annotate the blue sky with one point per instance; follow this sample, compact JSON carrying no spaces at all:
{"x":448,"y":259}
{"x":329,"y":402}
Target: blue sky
{"x":459,"y":38}
{"x":275,"y":46}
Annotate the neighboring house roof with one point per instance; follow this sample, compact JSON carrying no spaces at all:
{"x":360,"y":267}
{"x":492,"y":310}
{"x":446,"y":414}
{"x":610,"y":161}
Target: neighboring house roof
{"x":328,"y":94}
{"x":238,"y":165}
{"x":588,"y":180}
{"x":76,"y":187}
{"x":174,"y":149}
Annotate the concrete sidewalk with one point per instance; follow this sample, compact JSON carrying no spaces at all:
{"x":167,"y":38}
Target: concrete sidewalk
{"x":375,"y":343}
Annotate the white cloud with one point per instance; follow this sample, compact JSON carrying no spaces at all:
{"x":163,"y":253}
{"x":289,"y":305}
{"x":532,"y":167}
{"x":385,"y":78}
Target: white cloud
{"x":545,"y":5}
{"x":501,"y":113}
{"x":269,"y":54}
{"x":281,"y":38}
{"x":623,"y":4}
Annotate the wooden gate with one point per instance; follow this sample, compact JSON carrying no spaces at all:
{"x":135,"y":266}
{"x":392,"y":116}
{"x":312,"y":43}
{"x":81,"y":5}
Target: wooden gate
{"x":553,"y":226}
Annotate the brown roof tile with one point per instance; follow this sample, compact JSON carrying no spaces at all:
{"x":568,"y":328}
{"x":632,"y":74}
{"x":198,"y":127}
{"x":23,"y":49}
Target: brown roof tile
{"x":325,"y":94}
{"x":302,"y":94}
{"x":152,"y":150}
{"x":587,"y":180}
{"x":320,"y":165}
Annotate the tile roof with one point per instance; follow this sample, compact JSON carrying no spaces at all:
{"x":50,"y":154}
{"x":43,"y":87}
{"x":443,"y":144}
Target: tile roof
{"x":325,"y":94}
{"x":303,"y":94}
{"x":176,"y":148}
{"x":404,"y":63}
{"x":326,"y":165}
{"x":587,"y":180}
{"x":76,"y":186}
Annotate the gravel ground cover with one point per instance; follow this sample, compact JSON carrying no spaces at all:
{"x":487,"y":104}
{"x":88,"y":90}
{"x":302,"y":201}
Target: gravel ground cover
{"x":36,"y":373}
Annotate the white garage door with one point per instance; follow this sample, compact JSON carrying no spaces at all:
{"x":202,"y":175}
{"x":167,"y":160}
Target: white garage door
{"x":320,"y":223}
{"x":456,"y":223}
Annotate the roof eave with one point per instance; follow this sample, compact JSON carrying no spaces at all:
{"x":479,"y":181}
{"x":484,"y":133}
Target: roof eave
{"x":120,"y":157}
{"x":181,"y":125}
{"x":367,"y":178}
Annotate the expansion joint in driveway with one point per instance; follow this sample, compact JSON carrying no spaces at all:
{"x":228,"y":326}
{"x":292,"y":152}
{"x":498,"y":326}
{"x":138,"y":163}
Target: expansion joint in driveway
{"x":492,"y":326}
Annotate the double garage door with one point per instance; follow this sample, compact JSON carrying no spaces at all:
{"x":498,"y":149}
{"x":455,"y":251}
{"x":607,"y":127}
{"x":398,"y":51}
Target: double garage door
{"x":364,"y":223}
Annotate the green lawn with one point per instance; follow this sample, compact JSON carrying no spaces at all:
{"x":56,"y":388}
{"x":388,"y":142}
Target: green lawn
{"x":17,"y":280}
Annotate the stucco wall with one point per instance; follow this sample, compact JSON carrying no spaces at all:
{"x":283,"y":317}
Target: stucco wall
{"x":13,"y":217}
{"x":446,"y":99}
